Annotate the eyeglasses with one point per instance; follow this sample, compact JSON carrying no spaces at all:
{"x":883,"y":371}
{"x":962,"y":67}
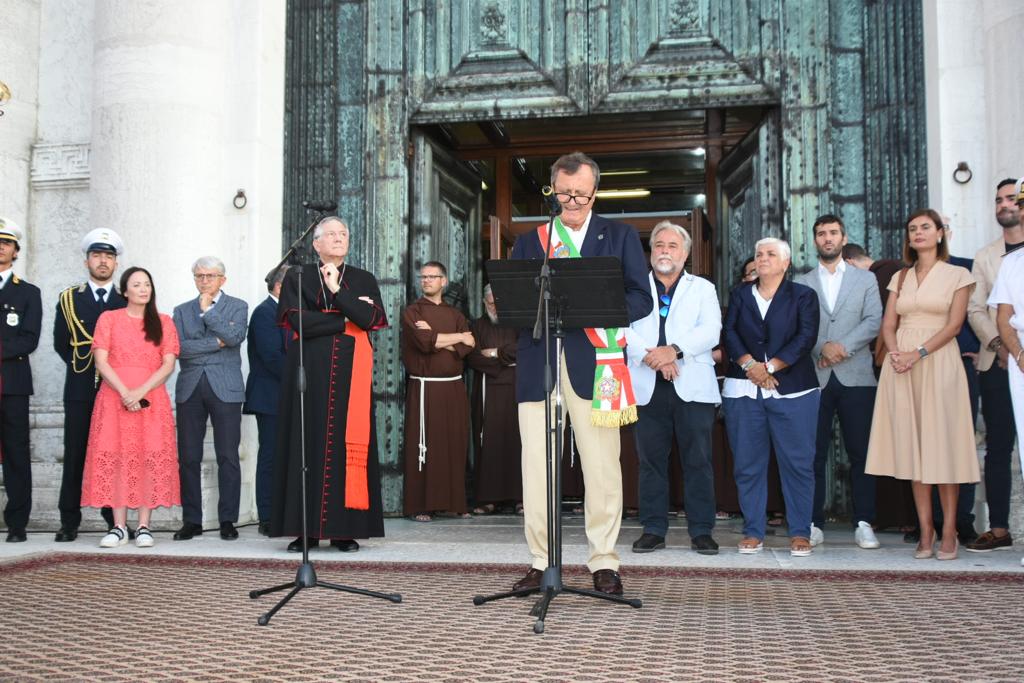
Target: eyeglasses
{"x":431,"y":277}
{"x":665,"y":301}
{"x":207,"y":276}
{"x":577,"y":199}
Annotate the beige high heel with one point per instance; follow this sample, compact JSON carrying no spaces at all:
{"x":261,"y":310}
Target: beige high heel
{"x":942,"y":555}
{"x":923,"y":553}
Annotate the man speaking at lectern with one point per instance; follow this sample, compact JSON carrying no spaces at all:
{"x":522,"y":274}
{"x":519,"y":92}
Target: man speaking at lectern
{"x":579,"y":232}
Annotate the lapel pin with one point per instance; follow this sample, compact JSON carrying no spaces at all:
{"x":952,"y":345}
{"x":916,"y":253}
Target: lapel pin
{"x":600,"y":237}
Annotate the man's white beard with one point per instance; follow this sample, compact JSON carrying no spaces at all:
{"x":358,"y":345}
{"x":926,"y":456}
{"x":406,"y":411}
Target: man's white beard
{"x":493,"y":316}
{"x":664,"y":266}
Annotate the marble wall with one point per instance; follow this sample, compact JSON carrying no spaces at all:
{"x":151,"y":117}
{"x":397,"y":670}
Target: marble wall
{"x":145,"y":117}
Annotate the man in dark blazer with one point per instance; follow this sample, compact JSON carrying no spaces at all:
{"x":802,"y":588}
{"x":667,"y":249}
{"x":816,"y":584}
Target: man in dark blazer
{"x":267,"y":353}
{"x":211,"y":329}
{"x":78,"y":309}
{"x":850,"y":316}
{"x":21,"y":317}
{"x":575,"y":178}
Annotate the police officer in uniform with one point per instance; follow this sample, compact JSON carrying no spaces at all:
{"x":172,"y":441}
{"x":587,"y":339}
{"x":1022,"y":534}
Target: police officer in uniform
{"x":78,"y":308}
{"x":21,"y":315}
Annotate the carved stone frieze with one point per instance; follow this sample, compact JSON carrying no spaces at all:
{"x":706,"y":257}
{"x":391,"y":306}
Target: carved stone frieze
{"x":60,"y":165}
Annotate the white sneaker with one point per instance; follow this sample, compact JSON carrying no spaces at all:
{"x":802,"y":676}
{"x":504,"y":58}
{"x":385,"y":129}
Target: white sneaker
{"x":817,"y":536}
{"x":143,"y":538}
{"x":114,"y":538}
{"x":865,"y":536}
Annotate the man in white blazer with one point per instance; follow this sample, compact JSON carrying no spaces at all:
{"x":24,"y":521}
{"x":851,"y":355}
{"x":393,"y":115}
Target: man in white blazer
{"x":673,"y":375}
{"x":850,"y":317}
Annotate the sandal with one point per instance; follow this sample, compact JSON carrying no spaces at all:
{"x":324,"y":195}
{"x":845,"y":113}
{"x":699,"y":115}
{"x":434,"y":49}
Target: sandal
{"x":722,"y":514}
{"x":776,"y":519}
{"x":750,"y":546}
{"x":422,"y":517}
{"x":800,"y":546}
{"x":519,"y":509}
{"x":488,"y":509}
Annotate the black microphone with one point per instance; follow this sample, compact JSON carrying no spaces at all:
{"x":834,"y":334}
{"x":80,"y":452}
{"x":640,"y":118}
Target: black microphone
{"x":551,"y":201}
{"x":324,"y":207}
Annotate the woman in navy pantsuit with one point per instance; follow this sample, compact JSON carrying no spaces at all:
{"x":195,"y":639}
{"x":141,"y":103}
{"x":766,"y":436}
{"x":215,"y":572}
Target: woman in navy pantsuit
{"x":771,"y":395}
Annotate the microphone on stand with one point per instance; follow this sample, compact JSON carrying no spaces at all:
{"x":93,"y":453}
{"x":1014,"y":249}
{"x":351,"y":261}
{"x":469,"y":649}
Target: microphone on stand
{"x":323,"y":207}
{"x":551,"y":201}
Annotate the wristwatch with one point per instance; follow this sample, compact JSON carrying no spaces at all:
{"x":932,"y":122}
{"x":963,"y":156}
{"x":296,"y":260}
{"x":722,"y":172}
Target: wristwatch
{"x":770,"y":368}
{"x":922,"y":351}
{"x":679,"y":351}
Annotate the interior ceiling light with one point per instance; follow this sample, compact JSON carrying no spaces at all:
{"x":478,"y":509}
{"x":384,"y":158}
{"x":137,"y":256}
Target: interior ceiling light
{"x":699,"y":151}
{"x":623,"y":194}
{"x":629,"y":171}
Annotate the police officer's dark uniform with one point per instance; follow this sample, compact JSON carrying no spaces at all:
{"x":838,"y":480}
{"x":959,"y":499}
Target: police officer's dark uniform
{"x":21,"y":316}
{"x":78,"y":308}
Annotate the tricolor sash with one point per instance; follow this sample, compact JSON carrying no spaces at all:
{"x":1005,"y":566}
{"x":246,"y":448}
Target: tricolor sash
{"x":614,"y":404}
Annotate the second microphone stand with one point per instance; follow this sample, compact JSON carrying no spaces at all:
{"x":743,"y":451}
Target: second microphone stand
{"x":305,"y":576}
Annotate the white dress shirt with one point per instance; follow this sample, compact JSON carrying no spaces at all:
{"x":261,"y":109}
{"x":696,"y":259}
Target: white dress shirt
{"x":831,"y":282}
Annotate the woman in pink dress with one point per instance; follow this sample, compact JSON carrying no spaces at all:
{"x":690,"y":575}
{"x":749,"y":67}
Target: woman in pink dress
{"x":132,"y":458}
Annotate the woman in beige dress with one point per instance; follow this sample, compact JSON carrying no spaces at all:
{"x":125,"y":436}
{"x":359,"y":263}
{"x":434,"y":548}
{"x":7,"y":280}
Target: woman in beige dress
{"x":921,"y":429}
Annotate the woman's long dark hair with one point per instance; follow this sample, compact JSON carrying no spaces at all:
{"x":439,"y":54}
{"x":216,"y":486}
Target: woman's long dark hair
{"x":151,"y":317}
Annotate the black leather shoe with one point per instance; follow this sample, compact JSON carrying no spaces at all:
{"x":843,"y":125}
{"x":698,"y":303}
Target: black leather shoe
{"x":648,"y":543}
{"x":531,"y":580}
{"x":66,"y":535}
{"x":345,"y":545}
{"x":913,"y":536}
{"x":228,"y":531}
{"x":264,"y":528}
{"x":16,"y":536}
{"x":704,"y":545}
{"x":607,"y":581}
{"x":187,"y":531}
{"x":296,"y":545}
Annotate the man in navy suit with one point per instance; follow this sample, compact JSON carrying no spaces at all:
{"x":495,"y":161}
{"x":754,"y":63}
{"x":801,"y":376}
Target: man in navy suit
{"x":21,"y":316}
{"x":581,"y":232}
{"x":211,"y":329}
{"x":263,"y":387}
{"x":78,"y":309}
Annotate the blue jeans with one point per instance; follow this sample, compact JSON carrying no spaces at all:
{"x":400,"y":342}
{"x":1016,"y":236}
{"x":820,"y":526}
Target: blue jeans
{"x":664,"y":415}
{"x":788,"y":424}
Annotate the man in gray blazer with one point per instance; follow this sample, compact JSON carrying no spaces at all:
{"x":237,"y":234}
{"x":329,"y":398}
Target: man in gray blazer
{"x":851,"y":315}
{"x":211,"y":329}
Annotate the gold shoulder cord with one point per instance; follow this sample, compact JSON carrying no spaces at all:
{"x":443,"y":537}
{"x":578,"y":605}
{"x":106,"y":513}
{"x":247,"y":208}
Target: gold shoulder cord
{"x":80,"y":362}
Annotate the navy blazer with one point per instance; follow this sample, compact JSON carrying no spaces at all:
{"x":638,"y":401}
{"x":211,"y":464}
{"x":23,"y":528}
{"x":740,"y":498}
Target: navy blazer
{"x":21,"y":320}
{"x":266,"y":350}
{"x":788,"y":332}
{"x":81,"y":386}
{"x":604,"y":238}
{"x":965,"y":338}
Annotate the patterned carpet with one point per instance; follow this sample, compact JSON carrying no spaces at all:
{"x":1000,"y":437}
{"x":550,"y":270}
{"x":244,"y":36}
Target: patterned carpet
{"x":109,"y":618}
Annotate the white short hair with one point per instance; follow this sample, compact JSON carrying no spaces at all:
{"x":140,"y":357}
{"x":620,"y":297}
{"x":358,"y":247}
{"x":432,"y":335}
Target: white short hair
{"x":677,"y":229}
{"x":319,"y":229}
{"x":208,"y":262}
{"x":783,"y":245}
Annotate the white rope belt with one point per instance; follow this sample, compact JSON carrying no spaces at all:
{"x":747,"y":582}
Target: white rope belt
{"x":423,"y":411}
{"x":483,"y":402}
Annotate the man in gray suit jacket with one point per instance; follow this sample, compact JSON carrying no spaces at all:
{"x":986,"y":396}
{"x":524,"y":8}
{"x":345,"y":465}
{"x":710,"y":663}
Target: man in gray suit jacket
{"x":211,"y":329}
{"x":851,"y":315}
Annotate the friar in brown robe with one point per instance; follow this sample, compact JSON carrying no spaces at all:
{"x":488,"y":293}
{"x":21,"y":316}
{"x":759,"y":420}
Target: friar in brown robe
{"x":497,"y":467}
{"x":435,"y":340}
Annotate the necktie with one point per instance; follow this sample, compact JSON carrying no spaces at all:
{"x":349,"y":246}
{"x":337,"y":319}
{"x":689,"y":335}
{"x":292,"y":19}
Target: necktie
{"x":101,"y":296}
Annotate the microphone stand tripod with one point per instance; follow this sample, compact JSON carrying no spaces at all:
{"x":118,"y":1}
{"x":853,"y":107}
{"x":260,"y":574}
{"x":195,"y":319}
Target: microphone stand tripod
{"x":305,"y":576}
{"x":551,"y":585}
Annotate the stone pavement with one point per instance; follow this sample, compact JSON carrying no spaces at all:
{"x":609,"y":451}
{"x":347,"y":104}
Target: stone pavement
{"x":498,"y":539}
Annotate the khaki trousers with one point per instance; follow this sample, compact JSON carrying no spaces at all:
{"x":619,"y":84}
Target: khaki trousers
{"x":602,"y":476}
